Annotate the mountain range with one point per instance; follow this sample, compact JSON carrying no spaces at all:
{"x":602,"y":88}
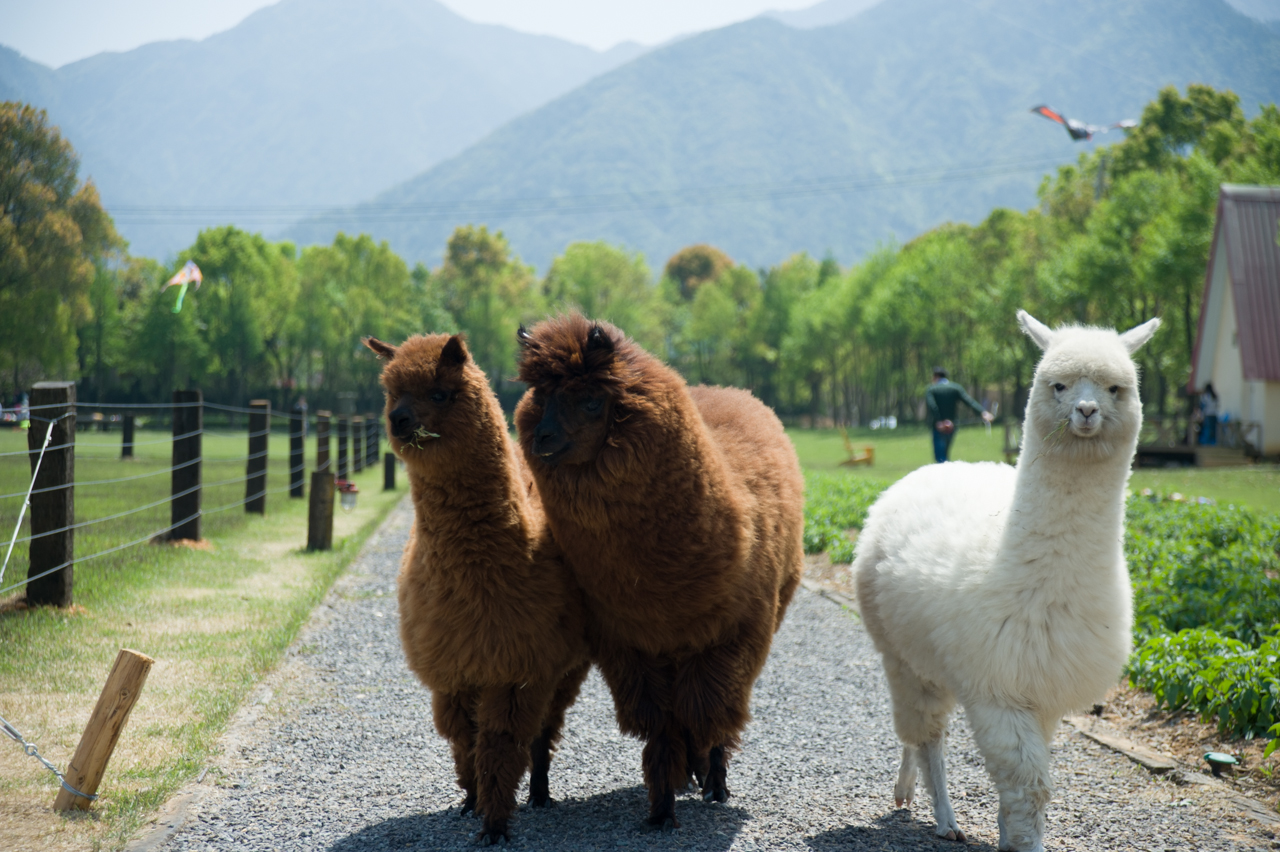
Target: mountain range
{"x":304,"y":103}
{"x":765,"y":140}
{"x":827,"y":129}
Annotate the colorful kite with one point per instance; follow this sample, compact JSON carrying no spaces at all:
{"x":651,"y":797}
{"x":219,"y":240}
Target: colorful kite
{"x":1078,"y":129}
{"x":184,"y":276}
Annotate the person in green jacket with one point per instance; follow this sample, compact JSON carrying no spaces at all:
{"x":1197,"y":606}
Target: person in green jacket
{"x":943,"y":398}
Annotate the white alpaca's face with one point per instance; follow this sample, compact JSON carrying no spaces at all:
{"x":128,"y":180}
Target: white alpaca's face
{"x":1085,"y":397}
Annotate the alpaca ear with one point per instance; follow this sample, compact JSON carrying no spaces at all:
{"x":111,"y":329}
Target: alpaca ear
{"x":454,"y":352}
{"x":382,"y":350}
{"x":523,"y":337}
{"x":598,"y":340}
{"x":1036,"y":330}
{"x":1139,"y":334}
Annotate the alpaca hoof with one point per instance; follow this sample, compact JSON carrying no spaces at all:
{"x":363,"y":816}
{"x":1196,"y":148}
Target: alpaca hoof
{"x":468,"y":805}
{"x":951,"y":834}
{"x":720,"y":794}
{"x":494,"y":833}
{"x":541,"y":801}
{"x":663,"y":824}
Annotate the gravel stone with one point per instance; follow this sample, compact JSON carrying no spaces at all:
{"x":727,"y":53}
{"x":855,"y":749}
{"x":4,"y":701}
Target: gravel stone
{"x":337,"y":752}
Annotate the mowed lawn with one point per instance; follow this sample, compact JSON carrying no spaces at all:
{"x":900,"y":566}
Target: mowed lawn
{"x":900,"y":451}
{"x":214,"y":618}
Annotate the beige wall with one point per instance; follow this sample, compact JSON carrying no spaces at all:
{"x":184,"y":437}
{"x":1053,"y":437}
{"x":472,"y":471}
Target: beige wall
{"x":1228,"y":370}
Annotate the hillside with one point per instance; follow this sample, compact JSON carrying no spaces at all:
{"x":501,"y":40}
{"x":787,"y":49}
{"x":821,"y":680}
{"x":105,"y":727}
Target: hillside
{"x":766,"y":140}
{"x":307,"y":102}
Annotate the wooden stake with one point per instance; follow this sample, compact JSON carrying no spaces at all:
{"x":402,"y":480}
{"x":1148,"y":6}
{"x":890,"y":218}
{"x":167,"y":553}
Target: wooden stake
{"x":320,"y":512}
{"x":103,"y":731}
{"x":53,"y":505}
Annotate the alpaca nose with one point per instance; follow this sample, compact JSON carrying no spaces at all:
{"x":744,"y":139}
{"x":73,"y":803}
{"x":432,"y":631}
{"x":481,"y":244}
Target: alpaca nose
{"x":401,"y":420}
{"x":1087,"y":409}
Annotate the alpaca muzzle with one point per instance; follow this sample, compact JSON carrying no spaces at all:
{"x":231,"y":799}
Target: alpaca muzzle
{"x":402,"y":419}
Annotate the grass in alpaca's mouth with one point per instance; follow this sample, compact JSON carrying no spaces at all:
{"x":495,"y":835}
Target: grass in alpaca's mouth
{"x":419,"y":435}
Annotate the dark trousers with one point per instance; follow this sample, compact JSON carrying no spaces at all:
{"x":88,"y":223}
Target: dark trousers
{"x":941,"y":445}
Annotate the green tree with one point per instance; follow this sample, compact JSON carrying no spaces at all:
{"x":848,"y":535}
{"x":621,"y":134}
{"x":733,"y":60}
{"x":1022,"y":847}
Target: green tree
{"x":604,"y":282}
{"x":489,"y":293}
{"x":53,"y":233}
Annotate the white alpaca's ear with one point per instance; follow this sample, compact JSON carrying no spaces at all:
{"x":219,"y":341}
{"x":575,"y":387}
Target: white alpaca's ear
{"x":1140,"y":334}
{"x":1036,"y":330}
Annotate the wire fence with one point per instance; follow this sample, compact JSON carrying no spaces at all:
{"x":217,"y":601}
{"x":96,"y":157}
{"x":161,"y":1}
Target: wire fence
{"x":116,"y":511}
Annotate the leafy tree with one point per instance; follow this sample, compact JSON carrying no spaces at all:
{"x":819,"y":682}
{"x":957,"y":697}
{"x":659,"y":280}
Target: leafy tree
{"x":52,"y":233}
{"x":489,"y":293}
{"x":604,"y":282}
{"x":695,"y":265}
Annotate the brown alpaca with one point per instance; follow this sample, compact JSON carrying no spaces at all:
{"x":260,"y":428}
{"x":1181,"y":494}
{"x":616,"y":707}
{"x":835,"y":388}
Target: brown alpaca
{"x":490,"y":619}
{"x":680,"y":514}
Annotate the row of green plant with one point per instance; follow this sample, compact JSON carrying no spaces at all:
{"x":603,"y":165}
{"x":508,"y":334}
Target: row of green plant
{"x":1119,"y":237}
{"x":1206,"y":584}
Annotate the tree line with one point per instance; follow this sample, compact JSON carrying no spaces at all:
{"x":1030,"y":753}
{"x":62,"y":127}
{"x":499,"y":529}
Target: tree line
{"x":1118,"y":237}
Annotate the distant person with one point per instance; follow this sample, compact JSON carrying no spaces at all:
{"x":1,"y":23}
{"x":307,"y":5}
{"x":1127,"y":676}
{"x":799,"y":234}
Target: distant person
{"x":1208,"y":416}
{"x":942,"y":398}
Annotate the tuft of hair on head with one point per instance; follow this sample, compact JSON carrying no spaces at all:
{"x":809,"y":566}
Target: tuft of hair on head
{"x":454,"y":352}
{"x":568,"y":347}
{"x":384,"y":351}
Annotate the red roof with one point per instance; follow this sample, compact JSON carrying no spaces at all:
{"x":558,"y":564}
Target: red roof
{"x":1246,"y":229}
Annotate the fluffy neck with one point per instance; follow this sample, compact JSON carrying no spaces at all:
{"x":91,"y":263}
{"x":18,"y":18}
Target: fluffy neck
{"x":476,"y":486}
{"x":1068,"y":510}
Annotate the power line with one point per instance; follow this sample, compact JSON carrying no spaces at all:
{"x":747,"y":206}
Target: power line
{"x":581,"y":204}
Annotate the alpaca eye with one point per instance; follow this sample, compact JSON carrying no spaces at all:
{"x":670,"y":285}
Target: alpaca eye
{"x":1115,"y":389}
{"x":592,"y":405}
{"x":439,"y":396}
{"x":1059,"y":387}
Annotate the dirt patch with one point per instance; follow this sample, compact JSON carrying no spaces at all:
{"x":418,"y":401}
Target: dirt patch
{"x":1132,"y":713}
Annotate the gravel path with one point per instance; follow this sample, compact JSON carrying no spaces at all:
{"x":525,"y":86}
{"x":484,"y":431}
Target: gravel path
{"x":337,"y":752}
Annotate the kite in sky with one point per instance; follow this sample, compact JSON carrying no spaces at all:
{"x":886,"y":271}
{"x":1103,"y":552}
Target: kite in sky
{"x":184,"y":276}
{"x":1078,"y":129}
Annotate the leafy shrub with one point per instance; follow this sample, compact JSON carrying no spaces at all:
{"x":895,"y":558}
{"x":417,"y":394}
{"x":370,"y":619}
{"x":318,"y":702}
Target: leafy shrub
{"x":1203,"y":566}
{"x":1214,"y":675}
{"x":834,"y":503}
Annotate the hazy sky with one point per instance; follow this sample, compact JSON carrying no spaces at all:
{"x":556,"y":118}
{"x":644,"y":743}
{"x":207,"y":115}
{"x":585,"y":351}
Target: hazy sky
{"x":56,"y":32}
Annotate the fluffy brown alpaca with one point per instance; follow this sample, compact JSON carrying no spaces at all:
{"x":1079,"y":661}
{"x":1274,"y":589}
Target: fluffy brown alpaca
{"x":680,"y":514}
{"x":490,"y":619}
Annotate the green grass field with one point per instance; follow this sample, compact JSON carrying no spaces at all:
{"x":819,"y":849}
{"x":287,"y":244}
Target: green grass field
{"x":900,"y":451}
{"x":214,"y":618}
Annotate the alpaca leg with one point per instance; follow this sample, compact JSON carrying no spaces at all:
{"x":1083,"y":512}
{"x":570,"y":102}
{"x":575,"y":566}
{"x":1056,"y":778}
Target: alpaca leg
{"x":920,"y":711}
{"x":699,"y":761}
{"x":1016,"y":750}
{"x":933,"y":768}
{"x":454,"y":715}
{"x":665,"y":768}
{"x":716,"y":787}
{"x":904,"y":792}
{"x":544,"y":744}
{"x":508,"y":719}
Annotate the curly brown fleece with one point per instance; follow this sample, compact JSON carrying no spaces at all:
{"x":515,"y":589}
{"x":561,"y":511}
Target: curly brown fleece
{"x":684,"y":529}
{"x":490,"y":618}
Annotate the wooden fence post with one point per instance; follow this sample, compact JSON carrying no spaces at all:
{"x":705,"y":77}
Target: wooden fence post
{"x":344,"y":429}
{"x":56,"y":508}
{"x":255,"y":484}
{"x":322,"y":442}
{"x":373,"y":430}
{"x":188,"y":430}
{"x":389,"y":472}
{"x":320,"y":512}
{"x":357,"y":444}
{"x":119,"y":694}
{"x":126,"y":448}
{"x":297,"y":434}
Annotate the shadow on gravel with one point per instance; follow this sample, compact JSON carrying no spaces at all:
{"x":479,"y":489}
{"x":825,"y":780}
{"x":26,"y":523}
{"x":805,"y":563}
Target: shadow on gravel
{"x":896,"y":830}
{"x":605,"y":821}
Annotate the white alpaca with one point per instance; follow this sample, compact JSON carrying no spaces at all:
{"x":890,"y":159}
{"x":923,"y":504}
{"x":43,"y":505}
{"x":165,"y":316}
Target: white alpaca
{"x":1006,"y":589}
